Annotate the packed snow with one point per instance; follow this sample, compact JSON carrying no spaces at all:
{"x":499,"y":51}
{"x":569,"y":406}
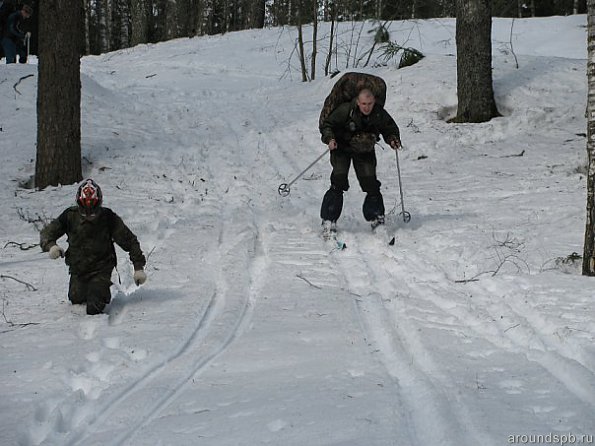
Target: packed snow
{"x":474,"y":328}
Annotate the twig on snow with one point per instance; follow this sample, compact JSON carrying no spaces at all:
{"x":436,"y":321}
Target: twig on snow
{"x":510,"y":328}
{"x":10,"y":323}
{"x":28,"y":285}
{"x":513,"y":156}
{"x":22,"y":246}
{"x":19,"y":81}
{"x":511,"y":47}
{"x":308,"y":282}
{"x":473,"y":279}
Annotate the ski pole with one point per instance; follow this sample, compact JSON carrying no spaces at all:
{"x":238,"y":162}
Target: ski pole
{"x":285,"y":188}
{"x":28,"y":38}
{"x":406,"y":215}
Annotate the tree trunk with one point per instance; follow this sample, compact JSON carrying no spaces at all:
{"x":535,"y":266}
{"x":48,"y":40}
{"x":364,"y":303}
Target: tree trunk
{"x":139,"y":32}
{"x":259,"y":13}
{"x":109,"y":14}
{"x":196,"y":26}
{"x":314,"y":39}
{"x":101,"y":11}
{"x":474,"y":62}
{"x":589,"y":248}
{"x":59,"y":93}
{"x":170,"y":22}
{"x":87,"y":8}
{"x":120,"y":25}
{"x":183,"y":15}
{"x":300,"y":44}
{"x":329,"y":56}
{"x":254,"y":12}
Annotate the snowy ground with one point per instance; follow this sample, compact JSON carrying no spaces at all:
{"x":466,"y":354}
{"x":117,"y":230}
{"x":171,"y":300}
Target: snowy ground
{"x":471,"y":330}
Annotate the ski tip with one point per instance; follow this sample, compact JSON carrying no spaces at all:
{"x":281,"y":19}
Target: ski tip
{"x":392,"y":242}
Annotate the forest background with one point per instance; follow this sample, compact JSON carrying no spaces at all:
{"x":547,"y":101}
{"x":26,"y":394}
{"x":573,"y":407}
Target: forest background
{"x":116,"y":24}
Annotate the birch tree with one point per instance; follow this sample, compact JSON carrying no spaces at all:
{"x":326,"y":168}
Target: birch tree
{"x":314,"y":39}
{"x":589,"y":247}
{"x":87,"y":29}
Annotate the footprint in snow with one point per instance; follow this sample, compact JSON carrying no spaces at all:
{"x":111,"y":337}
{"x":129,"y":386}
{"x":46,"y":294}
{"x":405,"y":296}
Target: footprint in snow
{"x":87,"y":328}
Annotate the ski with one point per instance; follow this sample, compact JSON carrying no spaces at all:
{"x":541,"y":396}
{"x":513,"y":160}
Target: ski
{"x":379,"y":229}
{"x":329,"y":235}
{"x":339,"y":244}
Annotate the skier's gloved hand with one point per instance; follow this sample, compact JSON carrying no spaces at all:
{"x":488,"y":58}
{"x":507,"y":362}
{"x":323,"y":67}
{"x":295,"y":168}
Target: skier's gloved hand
{"x":395,"y":143}
{"x":28,"y":35}
{"x":55,"y":252}
{"x":139,"y":277}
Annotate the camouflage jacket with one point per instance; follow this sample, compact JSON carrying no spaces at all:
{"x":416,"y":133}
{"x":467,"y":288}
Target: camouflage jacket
{"x":91,"y":242}
{"x":357,"y":132}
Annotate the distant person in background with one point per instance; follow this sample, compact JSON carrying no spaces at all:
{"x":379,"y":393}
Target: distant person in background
{"x":92,"y":231}
{"x":14,"y":40}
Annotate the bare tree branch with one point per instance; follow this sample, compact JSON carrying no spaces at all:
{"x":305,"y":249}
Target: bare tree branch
{"x":22,"y":246}
{"x":28,"y":285}
{"x":19,"y":81}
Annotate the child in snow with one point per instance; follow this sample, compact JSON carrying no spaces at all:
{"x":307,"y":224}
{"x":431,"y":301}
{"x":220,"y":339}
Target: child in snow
{"x":92,"y":230}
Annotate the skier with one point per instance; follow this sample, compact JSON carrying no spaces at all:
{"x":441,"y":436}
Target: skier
{"x":14,"y":40}
{"x":92,"y":230}
{"x":351,"y":132}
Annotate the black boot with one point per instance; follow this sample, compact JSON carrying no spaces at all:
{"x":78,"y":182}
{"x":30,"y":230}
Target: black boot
{"x":373,"y":207}
{"x":332,"y":204}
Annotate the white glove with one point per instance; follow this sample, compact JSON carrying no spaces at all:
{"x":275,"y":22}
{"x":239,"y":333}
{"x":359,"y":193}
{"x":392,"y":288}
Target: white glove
{"x":55,"y":252}
{"x":139,"y":277}
{"x":28,"y":35}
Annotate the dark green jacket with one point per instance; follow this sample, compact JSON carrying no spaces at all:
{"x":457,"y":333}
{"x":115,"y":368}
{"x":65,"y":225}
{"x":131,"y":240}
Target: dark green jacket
{"x":347,"y":124}
{"x":91,"y":242}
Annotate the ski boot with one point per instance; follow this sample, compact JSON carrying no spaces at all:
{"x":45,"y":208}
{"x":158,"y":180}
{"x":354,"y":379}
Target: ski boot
{"x":378,"y":221}
{"x":329,"y":229}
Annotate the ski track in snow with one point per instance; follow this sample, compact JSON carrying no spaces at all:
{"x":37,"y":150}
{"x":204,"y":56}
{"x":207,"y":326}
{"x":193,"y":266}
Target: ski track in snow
{"x":416,"y":283}
{"x":414,"y":374}
{"x":433,"y":361}
{"x":389,"y":290}
{"x":518,"y":332}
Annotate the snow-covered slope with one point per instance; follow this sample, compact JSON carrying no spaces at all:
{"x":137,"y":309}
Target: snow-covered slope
{"x":470,"y":330}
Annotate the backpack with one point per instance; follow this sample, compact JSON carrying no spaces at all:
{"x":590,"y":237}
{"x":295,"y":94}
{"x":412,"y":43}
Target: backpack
{"x":348,"y":87}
